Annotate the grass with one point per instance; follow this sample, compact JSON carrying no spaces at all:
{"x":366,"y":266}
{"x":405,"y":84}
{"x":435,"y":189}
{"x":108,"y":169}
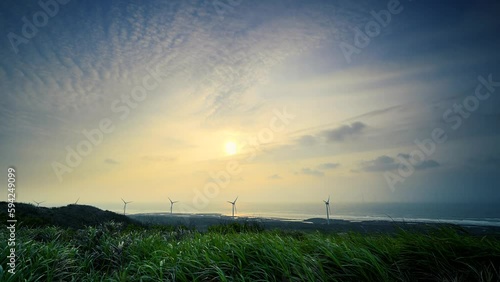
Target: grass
{"x":112,"y":252}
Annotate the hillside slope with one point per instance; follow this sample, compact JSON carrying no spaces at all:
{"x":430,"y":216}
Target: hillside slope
{"x":72,"y":216}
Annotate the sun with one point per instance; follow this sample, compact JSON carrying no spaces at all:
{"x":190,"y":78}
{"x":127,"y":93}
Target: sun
{"x":231,"y":148}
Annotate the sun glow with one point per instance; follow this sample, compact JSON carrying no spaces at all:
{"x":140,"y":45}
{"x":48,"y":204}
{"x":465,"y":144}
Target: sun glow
{"x":231,"y":148}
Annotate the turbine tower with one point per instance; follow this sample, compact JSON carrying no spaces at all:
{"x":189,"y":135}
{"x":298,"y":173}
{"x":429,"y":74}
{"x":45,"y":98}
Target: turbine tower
{"x":125,"y":205}
{"x":38,"y":203}
{"x":327,"y":205}
{"x":172,"y":204}
{"x":234,"y":205}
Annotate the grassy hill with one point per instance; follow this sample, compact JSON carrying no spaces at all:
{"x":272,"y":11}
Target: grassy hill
{"x":112,"y":253}
{"x":70,"y":216}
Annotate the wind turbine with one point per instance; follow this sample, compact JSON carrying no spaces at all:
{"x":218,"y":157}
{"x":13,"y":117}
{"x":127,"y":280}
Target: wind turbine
{"x":327,"y":205}
{"x":171,"y":204}
{"x":125,"y":205}
{"x":234,"y":205}
{"x":38,"y":203}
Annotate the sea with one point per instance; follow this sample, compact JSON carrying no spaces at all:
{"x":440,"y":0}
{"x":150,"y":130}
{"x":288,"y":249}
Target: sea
{"x":484,"y":214}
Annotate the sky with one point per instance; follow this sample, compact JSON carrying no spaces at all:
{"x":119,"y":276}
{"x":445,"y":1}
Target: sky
{"x":271,"y":101}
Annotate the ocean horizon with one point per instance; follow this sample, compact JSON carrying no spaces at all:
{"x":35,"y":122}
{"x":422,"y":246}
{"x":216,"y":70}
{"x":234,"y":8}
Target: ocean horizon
{"x":486,"y":214}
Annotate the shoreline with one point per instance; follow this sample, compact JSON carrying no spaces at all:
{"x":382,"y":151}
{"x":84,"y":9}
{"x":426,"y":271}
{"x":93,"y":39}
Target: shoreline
{"x":494,"y":222}
{"x":202,"y":221}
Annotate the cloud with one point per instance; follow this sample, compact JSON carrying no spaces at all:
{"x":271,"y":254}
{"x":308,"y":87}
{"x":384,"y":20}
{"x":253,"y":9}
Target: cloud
{"x":328,"y":166}
{"x":403,"y":155}
{"x":338,"y":134}
{"x":275,"y":177}
{"x":378,"y":112}
{"x":111,"y":161}
{"x":306,"y":140}
{"x":421,"y":165}
{"x":427,"y":164}
{"x":341,"y":133}
{"x":386,"y":163}
{"x":382,"y":163}
{"x":312,"y":172}
{"x":76,"y":69}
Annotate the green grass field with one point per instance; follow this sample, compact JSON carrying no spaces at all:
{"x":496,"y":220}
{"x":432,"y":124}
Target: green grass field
{"x":247,"y":253}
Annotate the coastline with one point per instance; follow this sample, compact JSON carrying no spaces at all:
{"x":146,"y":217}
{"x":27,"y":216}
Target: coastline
{"x":202,"y":221}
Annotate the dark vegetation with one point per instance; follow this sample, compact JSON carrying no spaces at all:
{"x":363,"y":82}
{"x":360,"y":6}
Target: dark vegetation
{"x":236,"y":227}
{"x":70,"y":216}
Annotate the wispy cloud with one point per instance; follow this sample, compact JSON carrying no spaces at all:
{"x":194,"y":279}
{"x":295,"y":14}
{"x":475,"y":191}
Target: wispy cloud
{"x":382,"y":163}
{"x":77,"y":70}
{"x":386,"y":163}
{"x":422,"y":164}
{"x":275,"y":177}
{"x":312,"y":172}
{"x":337,"y":134}
{"x":111,"y":161}
{"x":343,"y":132}
{"x":328,"y":166}
{"x":306,"y":140}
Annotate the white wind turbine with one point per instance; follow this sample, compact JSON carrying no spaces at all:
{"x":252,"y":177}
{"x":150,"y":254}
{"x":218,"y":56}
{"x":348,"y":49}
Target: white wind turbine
{"x":234,"y":205}
{"x":125,"y":205}
{"x":171,"y":204}
{"x":327,"y":205}
{"x":38,"y":203}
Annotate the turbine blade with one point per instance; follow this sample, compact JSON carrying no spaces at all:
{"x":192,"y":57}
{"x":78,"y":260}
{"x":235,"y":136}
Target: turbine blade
{"x":230,"y":202}
{"x":236,"y":199}
{"x":123,"y":200}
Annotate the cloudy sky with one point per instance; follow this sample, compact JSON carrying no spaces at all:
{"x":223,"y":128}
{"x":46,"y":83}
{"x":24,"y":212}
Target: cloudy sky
{"x":286,"y":100}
